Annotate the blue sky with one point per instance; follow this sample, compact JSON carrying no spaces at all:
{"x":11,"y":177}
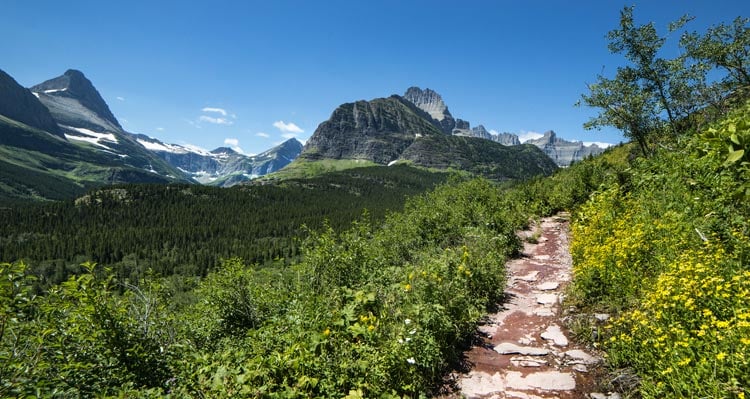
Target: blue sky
{"x":252,"y":73}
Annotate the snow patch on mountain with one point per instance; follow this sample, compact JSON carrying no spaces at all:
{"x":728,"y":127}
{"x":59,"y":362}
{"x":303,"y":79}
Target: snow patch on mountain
{"x":92,"y":140}
{"x":99,"y":136}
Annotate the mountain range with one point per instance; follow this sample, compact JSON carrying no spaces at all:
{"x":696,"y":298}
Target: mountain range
{"x":59,"y":138}
{"x":561,"y":151}
{"x":418,"y":128}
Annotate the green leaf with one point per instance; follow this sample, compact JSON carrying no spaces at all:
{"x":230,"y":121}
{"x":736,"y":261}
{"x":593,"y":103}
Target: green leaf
{"x":734,"y":139}
{"x":734,"y":156}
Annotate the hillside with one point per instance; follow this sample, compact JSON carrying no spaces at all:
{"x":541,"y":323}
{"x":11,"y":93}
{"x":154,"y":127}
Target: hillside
{"x":389,"y":130}
{"x":481,"y":157}
{"x":378,"y":131}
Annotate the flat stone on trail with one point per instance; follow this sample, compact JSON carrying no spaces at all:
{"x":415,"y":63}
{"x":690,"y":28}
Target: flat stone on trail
{"x":544,"y":312}
{"x":578,"y":356}
{"x":527,"y":361}
{"x":548,"y":286}
{"x":545,"y":380}
{"x":481,"y":384}
{"x":520,"y":395}
{"x":599,"y":395}
{"x":542,"y":257}
{"x":547,"y":299}
{"x":508,"y":348}
{"x":532,"y":276}
{"x":554,"y":333}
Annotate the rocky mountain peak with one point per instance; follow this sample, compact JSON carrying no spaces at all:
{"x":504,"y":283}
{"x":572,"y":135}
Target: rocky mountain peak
{"x":292,"y":143}
{"x":428,"y":100}
{"x":549,"y":137}
{"x":223,"y":150}
{"x":74,"y":84}
{"x":431,"y":102}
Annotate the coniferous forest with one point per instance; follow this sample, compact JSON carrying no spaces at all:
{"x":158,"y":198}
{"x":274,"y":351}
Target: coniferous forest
{"x":188,"y":229}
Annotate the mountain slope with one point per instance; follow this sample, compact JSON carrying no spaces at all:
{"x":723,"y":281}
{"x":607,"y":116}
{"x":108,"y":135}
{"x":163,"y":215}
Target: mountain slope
{"x":73,"y":100}
{"x":386,"y":130}
{"x":85,"y":118}
{"x":378,"y":130}
{"x":18,"y":103}
{"x":479,"y":156}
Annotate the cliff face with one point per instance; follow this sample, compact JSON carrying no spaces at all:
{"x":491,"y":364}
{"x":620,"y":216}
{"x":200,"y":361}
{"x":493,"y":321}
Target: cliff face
{"x":432,"y":103}
{"x":378,"y":130}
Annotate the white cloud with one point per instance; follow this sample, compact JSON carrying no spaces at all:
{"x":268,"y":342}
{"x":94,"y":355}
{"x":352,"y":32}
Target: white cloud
{"x":221,"y":111}
{"x":217,"y":121}
{"x":264,"y":135}
{"x":161,"y":129}
{"x":287,"y":127}
{"x":234,"y":144}
{"x":493,"y":131}
{"x":121,"y":98}
{"x":526,"y":136}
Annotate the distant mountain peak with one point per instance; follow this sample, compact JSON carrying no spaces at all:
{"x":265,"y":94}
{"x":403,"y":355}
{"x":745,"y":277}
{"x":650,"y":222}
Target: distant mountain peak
{"x":223,"y":150}
{"x":74,"y":84}
{"x":291,"y":143}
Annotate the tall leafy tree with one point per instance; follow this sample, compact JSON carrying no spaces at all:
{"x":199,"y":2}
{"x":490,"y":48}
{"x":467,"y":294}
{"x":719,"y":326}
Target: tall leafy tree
{"x":625,"y":105}
{"x":726,"y":47}
{"x":651,"y":92}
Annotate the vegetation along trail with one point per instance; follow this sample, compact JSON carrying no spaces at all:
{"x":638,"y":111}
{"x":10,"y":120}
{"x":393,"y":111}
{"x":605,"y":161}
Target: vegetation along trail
{"x":525,"y":351}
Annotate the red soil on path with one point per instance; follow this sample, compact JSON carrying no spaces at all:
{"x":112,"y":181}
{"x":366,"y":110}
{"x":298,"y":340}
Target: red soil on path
{"x":526,"y":352}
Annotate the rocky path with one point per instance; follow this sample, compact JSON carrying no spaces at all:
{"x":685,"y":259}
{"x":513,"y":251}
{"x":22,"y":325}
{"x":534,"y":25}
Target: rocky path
{"x":526,"y":352}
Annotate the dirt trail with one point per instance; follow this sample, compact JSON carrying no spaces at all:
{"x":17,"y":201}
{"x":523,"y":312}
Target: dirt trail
{"x":526,"y":352}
